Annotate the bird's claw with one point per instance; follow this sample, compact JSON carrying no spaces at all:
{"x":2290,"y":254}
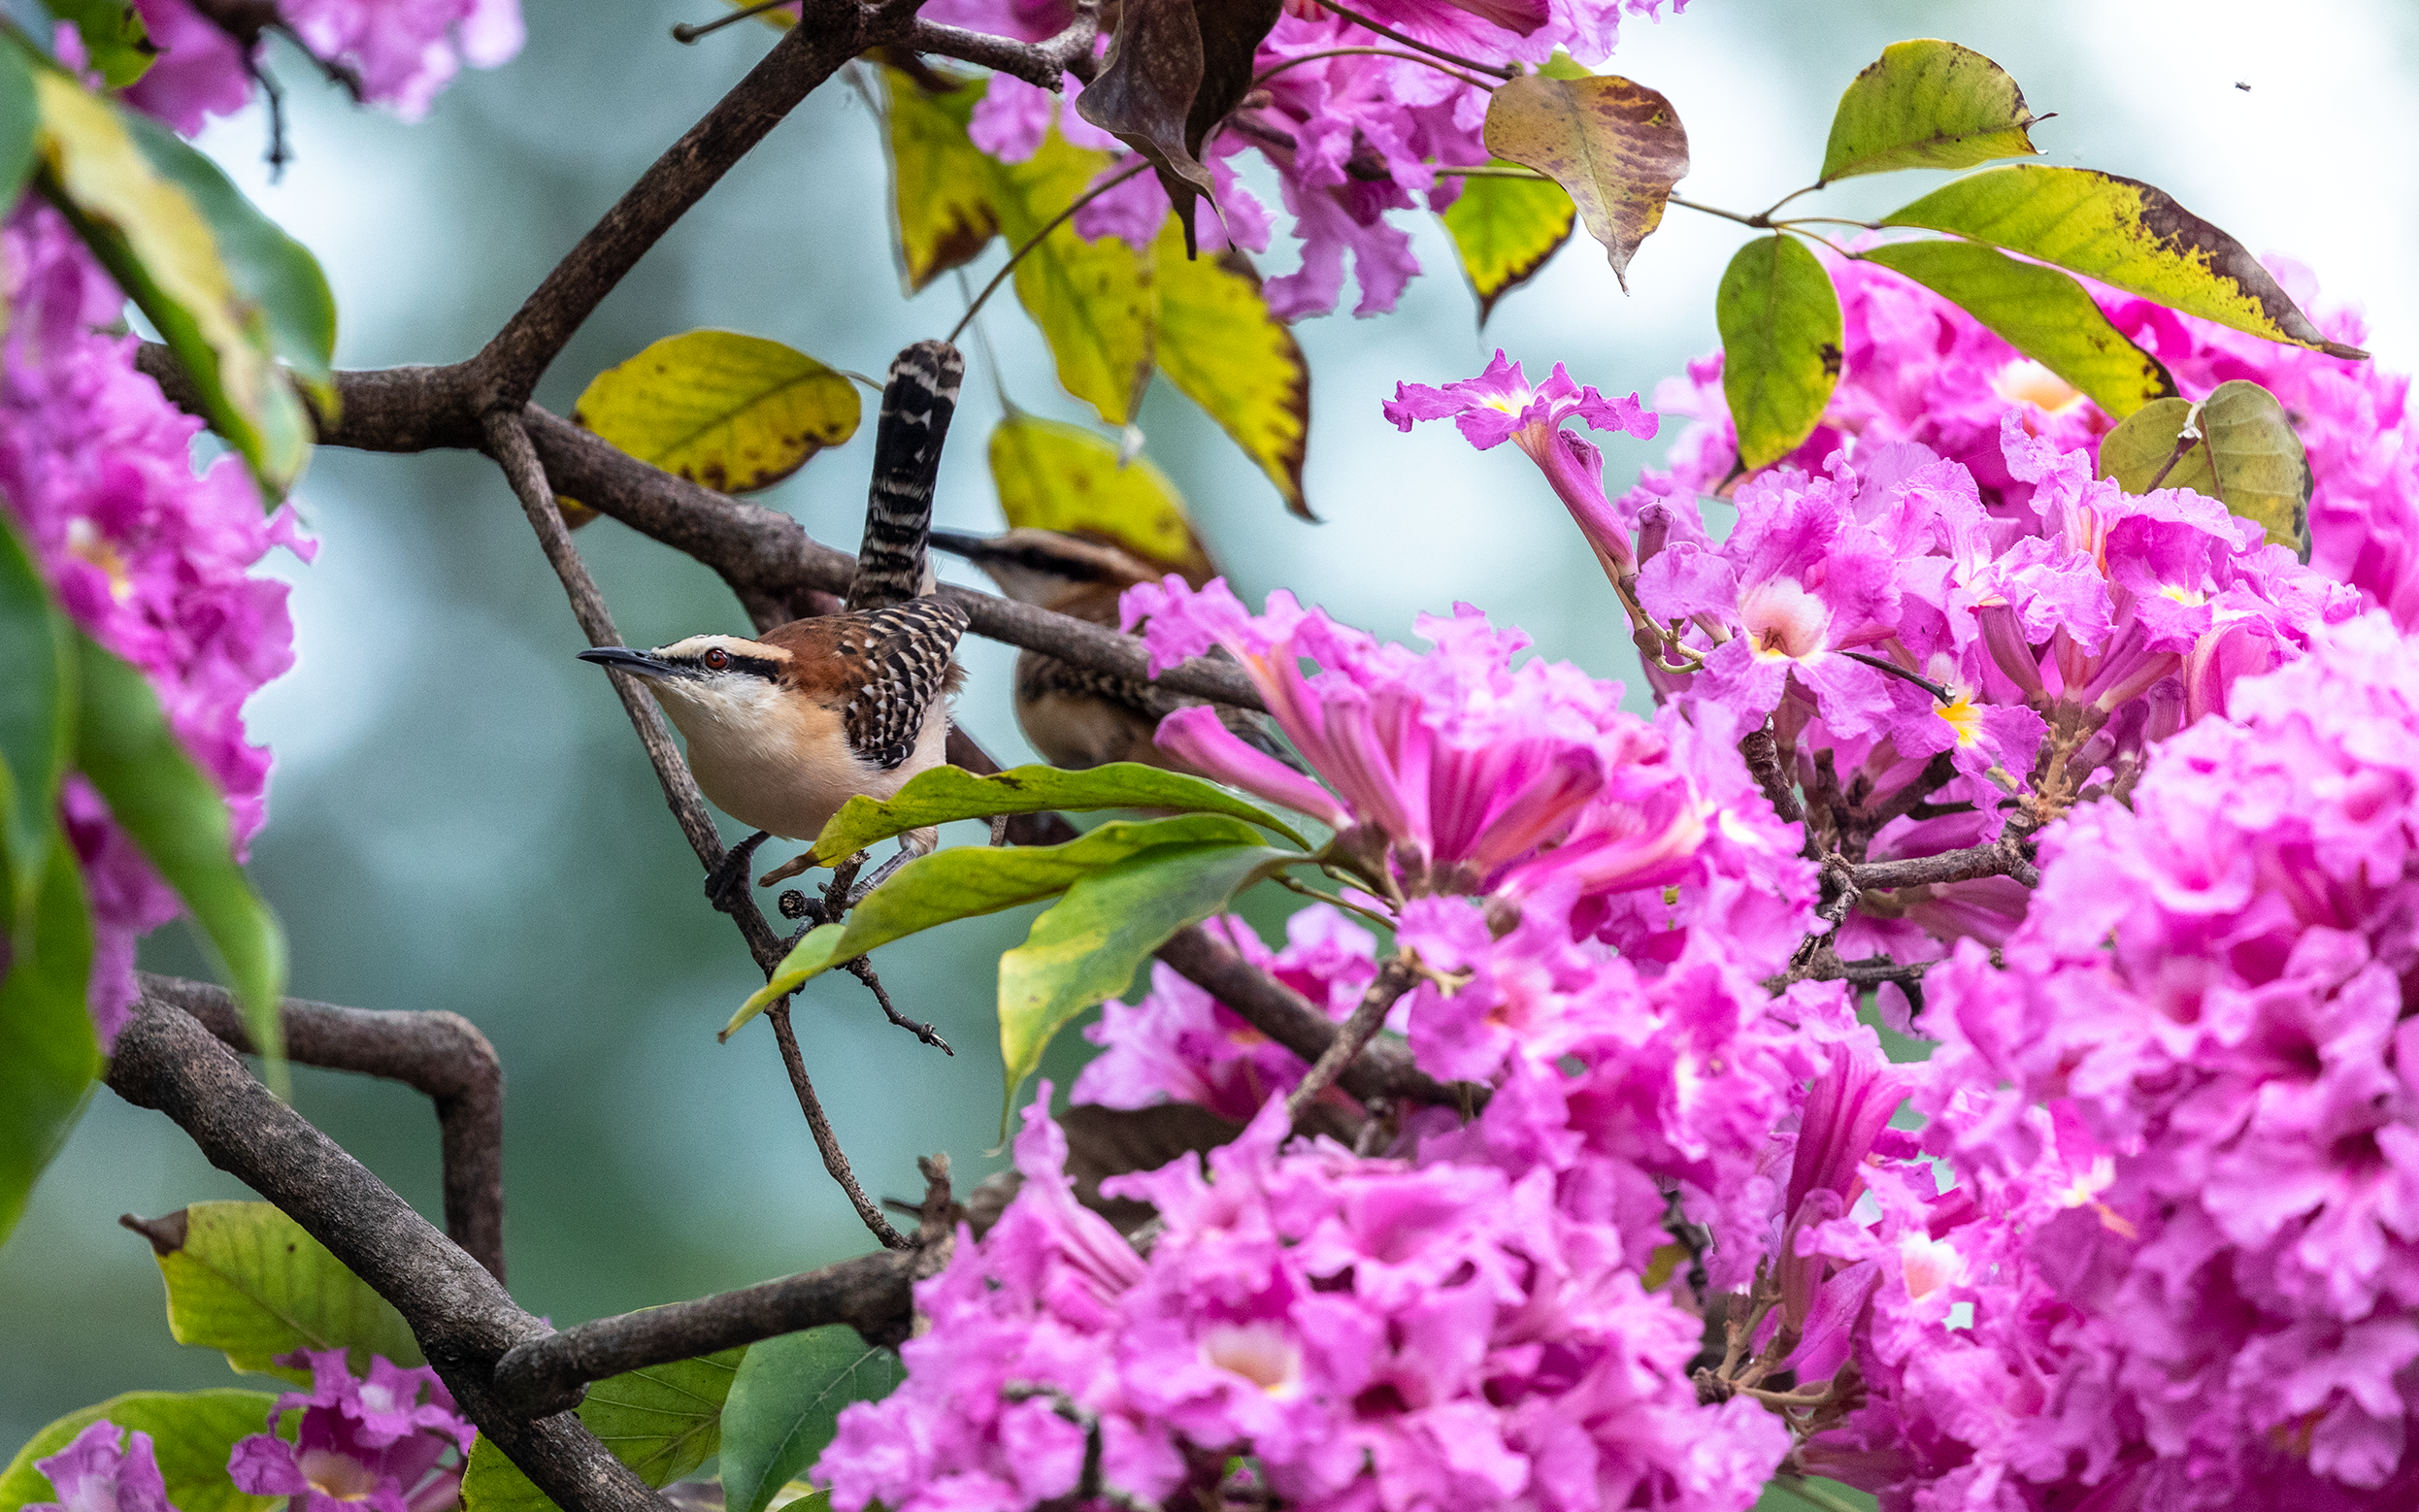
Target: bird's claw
{"x":726,"y":886}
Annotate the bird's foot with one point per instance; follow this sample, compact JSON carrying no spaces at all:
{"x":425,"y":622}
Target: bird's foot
{"x":726,"y":886}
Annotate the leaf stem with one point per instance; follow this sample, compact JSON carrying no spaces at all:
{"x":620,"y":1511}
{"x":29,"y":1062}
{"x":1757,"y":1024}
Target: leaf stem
{"x":1501,"y":71}
{"x":1492,"y":171}
{"x":1290,"y":884}
{"x":1383,"y":52}
{"x":1794,"y":221}
{"x":1758,"y":222}
{"x":1061,"y":219}
{"x":685,"y":34}
{"x":1884,"y":664}
{"x":1787,"y":198}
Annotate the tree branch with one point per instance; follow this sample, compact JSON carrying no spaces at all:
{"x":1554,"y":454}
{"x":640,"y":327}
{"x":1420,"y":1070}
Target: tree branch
{"x":463,"y":1319}
{"x":1394,"y":977}
{"x":1040,"y":63}
{"x":874,"y":1294}
{"x":828,"y":34}
{"x":834,"y":1159}
{"x":440,"y":1054}
{"x":2002,"y":857}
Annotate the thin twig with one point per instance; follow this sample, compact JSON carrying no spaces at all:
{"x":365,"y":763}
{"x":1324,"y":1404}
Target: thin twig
{"x":685,"y":34}
{"x":1756,"y":221}
{"x":1041,"y":63}
{"x":1500,"y":71}
{"x":863,"y":971}
{"x":1394,"y":978}
{"x":834,"y":1159}
{"x":1039,"y":237}
{"x":2002,"y":857}
{"x":1489,"y":171}
{"x":1383,"y":53}
{"x":442,"y":1055}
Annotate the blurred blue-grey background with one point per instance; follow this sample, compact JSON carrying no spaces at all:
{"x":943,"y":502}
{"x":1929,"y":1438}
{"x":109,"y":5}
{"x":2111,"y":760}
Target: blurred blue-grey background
{"x":461,"y":819}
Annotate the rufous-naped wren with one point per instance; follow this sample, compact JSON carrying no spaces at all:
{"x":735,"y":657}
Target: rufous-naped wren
{"x":1074,"y":716}
{"x":784,"y":728}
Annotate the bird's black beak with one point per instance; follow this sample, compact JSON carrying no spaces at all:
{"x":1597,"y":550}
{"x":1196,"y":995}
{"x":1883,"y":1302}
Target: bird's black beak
{"x":958,"y":543}
{"x":638,"y":662}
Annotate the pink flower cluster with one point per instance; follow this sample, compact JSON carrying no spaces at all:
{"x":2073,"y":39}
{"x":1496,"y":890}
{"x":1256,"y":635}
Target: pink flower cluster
{"x":2186,"y":1123}
{"x":1331,"y":1331}
{"x":378,"y":1440}
{"x":1352,"y":137}
{"x":151,"y":560}
{"x":1463,"y":772}
{"x":1918,"y":369}
{"x":1181,"y":1045}
{"x":403,"y":51}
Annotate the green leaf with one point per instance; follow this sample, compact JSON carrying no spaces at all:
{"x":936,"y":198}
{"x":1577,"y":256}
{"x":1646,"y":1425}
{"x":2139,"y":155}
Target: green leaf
{"x":734,"y":412}
{"x":2242,"y":451}
{"x":2123,"y":233}
{"x":245,"y":1279}
{"x":941,"y":215}
{"x":967,"y":881}
{"x":37,"y":717}
{"x":1616,"y":146}
{"x":1094,"y":300}
{"x":20,"y":123}
{"x":1052,"y":475}
{"x":1223,"y":350}
{"x":192,"y":1433}
{"x":1927,"y":104}
{"x":163,"y":251}
{"x":179,"y":820}
{"x":116,"y":39}
{"x":1086,"y":948}
{"x":1505,"y":230}
{"x":2039,"y":312}
{"x":947,"y":793}
{"x":784,"y":1407}
{"x":662,"y":1422}
{"x":49,"y":1053}
{"x":273,"y":273}
{"x":1781,"y":327}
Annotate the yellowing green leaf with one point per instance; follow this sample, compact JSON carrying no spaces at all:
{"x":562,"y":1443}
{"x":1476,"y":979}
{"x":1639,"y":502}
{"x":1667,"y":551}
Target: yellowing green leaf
{"x":2123,"y":233}
{"x":1616,"y":146}
{"x":946,"y":794}
{"x":1221,"y":348}
{"x":247,"y":1280}
{"x":1088,"y":947}
{"x":2040,"y":313}
{"x":967,"y":881}
{"x":192,"y":1433}
{"x":941,"y":183}
{"x":1052,"y":475}
{"x":162,"y":249}
{"x":734,"y":412}
{"x":1093,"y":300}
{"x":1781,"y":327}
{"x":1927,"y":104}
{"x":1505,"y":230}
{"x":662,"y":1422}
{"x":2242,"y":451}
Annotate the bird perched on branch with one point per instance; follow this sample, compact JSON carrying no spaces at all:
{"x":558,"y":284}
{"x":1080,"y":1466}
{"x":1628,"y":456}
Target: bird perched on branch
{"x":784,"y":728}
{"x":1073,"y":715}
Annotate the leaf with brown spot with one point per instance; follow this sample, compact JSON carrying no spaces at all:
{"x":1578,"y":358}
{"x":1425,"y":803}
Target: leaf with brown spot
{"x":1616,"y":146}
{"x":941,"y":215}
{"x":2242,"y":452}
{"x":1094,"y":300}
{"x":1927,"y":104}
{"x":1506,"y":230}
{"x":1781,"y":330}
{"x":1173,"y":71}
{"x":732,"y":411}
{"x":2126,"y":234}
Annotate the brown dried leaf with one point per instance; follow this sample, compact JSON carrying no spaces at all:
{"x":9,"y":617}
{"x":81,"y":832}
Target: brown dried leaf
{"x":1175,"y":70}
{"x":1616,"y":147}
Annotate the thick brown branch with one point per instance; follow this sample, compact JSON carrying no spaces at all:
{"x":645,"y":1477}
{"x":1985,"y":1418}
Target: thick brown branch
{"x":463,"y":1319}
{"x":874,"y":1294}
{"x":1035,"y":62}
{"x":828,"y":34}
{"x":1999,"y":858}
{"x":442,"y":1055}
{"x":1382,"y":1071}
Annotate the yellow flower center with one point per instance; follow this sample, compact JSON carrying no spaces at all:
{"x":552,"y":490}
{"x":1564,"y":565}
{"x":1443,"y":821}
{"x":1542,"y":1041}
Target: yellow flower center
{"x":2026,"y":382}
{"x":1260,"y":1353}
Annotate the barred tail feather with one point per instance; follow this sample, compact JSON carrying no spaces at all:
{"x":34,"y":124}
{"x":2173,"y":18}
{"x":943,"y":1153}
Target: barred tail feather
{"x":892,"y":565}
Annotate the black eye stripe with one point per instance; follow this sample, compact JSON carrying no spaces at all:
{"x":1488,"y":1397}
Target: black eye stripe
{"x":763,"y":667}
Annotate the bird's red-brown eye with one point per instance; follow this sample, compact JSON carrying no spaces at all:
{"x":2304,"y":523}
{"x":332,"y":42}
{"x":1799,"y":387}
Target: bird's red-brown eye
{"x":716,"y":658}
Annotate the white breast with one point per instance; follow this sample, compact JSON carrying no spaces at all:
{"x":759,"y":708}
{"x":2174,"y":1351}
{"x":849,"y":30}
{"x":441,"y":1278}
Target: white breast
{"x":781,"y":763}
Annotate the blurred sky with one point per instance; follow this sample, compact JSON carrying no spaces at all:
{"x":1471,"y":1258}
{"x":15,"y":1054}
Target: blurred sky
{"x":460,"y":818}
